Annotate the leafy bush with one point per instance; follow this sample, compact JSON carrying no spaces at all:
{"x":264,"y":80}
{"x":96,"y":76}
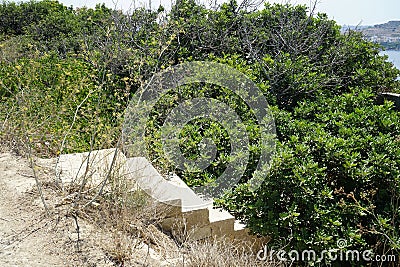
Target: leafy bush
{"x":336,"y":175}
{"x":66,"y":76}
{"x":15,"y":18}
{"x":48,"y":99}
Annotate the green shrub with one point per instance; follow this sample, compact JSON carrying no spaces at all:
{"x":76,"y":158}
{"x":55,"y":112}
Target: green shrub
{"x":48,"y":99}
{"x":336,"y":176}
{"x":66,"y":76}
{"x":16,"y":17}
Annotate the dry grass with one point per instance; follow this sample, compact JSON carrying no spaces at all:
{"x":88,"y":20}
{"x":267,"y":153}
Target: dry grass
{"x":121,"y":227}
{"x":131,"y":218}
{"x":128,"y":217}
{"x":220,"y":253}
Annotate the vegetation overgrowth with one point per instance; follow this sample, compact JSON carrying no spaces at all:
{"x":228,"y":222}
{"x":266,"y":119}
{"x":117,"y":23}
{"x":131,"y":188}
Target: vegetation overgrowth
{"x":66,"y":77}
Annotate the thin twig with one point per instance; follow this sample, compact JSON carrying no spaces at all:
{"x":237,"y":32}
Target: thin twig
{"x":107,"y":177}
{"x":38,"y":183}
{"x":78,"y":232}
{"x":68,"y":132}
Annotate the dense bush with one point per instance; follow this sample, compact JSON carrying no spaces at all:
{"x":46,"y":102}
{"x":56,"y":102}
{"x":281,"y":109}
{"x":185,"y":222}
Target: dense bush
{"x":66,"y":76}
{"x":336,"y":176}
{"x":47,"y":100}
{"x":15,"y":19}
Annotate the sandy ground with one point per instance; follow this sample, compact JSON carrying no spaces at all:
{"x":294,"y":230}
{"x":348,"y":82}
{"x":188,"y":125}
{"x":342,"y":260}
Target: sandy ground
{"x":26,"y":235}
{"x":30,"y":238}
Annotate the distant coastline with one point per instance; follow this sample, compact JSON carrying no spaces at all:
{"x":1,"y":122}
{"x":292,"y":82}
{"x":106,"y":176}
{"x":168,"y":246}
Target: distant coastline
{"x":386,"y":34}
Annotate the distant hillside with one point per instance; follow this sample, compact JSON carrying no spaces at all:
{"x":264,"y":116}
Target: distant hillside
{"x":387,"y":34}
{"x":354,"y":28}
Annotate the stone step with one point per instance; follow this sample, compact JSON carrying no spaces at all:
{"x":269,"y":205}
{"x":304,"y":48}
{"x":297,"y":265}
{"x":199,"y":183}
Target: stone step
{"x":187,"y":215}
{"x":219,"y":223}
{"x":94,"y":166}
{"x":186,"y":221}
{"x":163,"y":190}
{"x":215,"y":229}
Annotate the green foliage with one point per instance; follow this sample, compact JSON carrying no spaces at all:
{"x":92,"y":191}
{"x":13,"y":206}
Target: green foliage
{"x":51,"y":25}
{"x":66,"y":76}
{"x":48,"y":99}
{"x":335,"y":175}
{"x":16,"y":18}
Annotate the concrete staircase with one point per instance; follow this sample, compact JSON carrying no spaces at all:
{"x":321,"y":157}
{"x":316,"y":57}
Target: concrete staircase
{"x":188,"y":216}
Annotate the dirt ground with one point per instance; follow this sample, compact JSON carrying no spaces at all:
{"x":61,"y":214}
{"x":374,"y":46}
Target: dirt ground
{"x":29,"y":237}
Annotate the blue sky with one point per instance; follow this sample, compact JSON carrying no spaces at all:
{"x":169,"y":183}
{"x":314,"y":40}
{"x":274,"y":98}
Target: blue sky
{"x":349,"y":12}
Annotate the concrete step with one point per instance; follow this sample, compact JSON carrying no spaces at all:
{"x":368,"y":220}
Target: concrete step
{"x":188,"y":216}
{"x":219,"y":223}
{"x":163,"y":190}
{"x":215,"y":229}
{"x":186,"y":221}
{"x":93,"y":166}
